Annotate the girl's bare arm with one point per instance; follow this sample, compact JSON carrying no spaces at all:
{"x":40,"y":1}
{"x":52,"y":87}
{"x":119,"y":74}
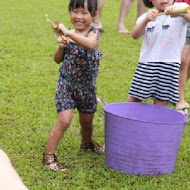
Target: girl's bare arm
{"x":58,"y":55}
{"x":63,"y":42}
{"x":90,"y":42}
{"x":139,"y":29}
{"x":186,"y":16}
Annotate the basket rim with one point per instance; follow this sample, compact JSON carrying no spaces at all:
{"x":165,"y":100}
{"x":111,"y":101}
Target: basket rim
{"x":185,"y":120}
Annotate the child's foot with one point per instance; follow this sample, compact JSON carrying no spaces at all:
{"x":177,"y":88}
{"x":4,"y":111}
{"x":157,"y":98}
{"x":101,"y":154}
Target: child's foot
{"x":183,"y":107}
{"x":50,"y":160}
{"x":93,"y":146}
{"x":123,"y":30}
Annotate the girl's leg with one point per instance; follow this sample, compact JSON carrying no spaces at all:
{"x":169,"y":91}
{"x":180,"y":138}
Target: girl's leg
{"x":87,"y":132}
{"x":100,"y":8}
{"x":97,"y":20}
{"x":188,"y":72}
{"x":86,"y":127}
{"x":124,"y":10}
{"x":161,"y":102}
{"x":57,"y":132}
{"x":140,"y":8}
{"x":133,"y":99}
{"x":183,"y":76}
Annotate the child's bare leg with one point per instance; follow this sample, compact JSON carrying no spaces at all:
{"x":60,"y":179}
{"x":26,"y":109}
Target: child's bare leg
{"x":188,"y":72}
{"x":97,"y":20}
{"x":161,"y":102}
{"x":140,"y":8}
{"x":57,"y":132}
{"x":183,"y":77}
{"x":86,"y":127}
{"x":124,"y":10}
{"x":87,"y":132}
{"x":133,"y":99}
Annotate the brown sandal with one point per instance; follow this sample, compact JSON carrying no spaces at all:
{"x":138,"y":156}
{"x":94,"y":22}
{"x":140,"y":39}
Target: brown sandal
{"x":93,"y":146}
{"x":50,"y":160}
{"x":184,"y":110}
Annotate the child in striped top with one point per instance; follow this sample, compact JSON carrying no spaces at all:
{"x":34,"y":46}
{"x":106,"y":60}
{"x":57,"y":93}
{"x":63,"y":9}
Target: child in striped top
{"x":157,"y":73}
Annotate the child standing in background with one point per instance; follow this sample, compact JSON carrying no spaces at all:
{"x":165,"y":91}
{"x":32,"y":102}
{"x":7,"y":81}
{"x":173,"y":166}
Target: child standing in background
{"x":97,"y":20}
{"x":157,"y":74}
{"x":125,"y":7}
{"x":184,"y":72}
{"x":76,"y":86}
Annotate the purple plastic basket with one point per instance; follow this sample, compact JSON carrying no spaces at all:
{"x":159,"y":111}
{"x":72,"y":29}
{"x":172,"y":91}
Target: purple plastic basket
{"x":142,"y":138}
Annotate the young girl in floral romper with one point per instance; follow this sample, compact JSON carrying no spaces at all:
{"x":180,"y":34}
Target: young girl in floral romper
{"x":76,"y":86}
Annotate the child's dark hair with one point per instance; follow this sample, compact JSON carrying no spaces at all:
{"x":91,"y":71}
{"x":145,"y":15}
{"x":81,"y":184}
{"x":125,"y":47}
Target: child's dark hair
{"x":148,"y":4}
{"x":92,"y":5}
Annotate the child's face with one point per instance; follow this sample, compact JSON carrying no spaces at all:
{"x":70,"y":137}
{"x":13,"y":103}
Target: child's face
{"x":162,"y":4}
{"x":81,"y":18}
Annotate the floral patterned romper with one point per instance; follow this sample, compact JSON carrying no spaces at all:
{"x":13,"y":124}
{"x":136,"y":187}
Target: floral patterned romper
{"x":76,"y":85}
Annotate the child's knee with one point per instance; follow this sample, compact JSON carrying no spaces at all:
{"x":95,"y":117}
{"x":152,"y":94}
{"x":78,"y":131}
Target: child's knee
{"x":184,"y":63}
{"x":63,"y":124}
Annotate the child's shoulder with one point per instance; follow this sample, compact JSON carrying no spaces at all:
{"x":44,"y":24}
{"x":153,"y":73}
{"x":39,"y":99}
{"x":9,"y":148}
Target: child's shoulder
{"x":92,"y":29}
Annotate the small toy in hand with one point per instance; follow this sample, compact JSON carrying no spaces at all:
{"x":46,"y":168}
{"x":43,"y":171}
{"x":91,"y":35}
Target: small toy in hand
{"x":61,"y":38}
{"x":176,"y":11}
{"x":54,"y":24}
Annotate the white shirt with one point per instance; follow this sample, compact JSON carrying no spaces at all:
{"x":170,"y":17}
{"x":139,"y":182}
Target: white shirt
{"x":164,"y":38}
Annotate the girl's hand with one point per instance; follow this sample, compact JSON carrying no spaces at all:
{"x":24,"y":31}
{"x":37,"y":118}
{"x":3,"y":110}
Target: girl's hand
{"x":169,"y":9}
{"x":151,"y":15}
{"x":62,"y":29}
{"x":63,"y":41}
{"x":174,"y":11}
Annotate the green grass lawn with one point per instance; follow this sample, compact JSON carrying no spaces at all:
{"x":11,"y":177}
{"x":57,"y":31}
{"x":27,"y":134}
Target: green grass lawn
{"x":28,"y":81}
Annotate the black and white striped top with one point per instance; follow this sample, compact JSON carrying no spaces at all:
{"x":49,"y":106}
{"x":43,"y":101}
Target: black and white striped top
{"x":156,"y":81}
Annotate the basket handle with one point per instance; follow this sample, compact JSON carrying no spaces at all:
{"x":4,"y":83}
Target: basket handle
{"x":102,"y":102}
